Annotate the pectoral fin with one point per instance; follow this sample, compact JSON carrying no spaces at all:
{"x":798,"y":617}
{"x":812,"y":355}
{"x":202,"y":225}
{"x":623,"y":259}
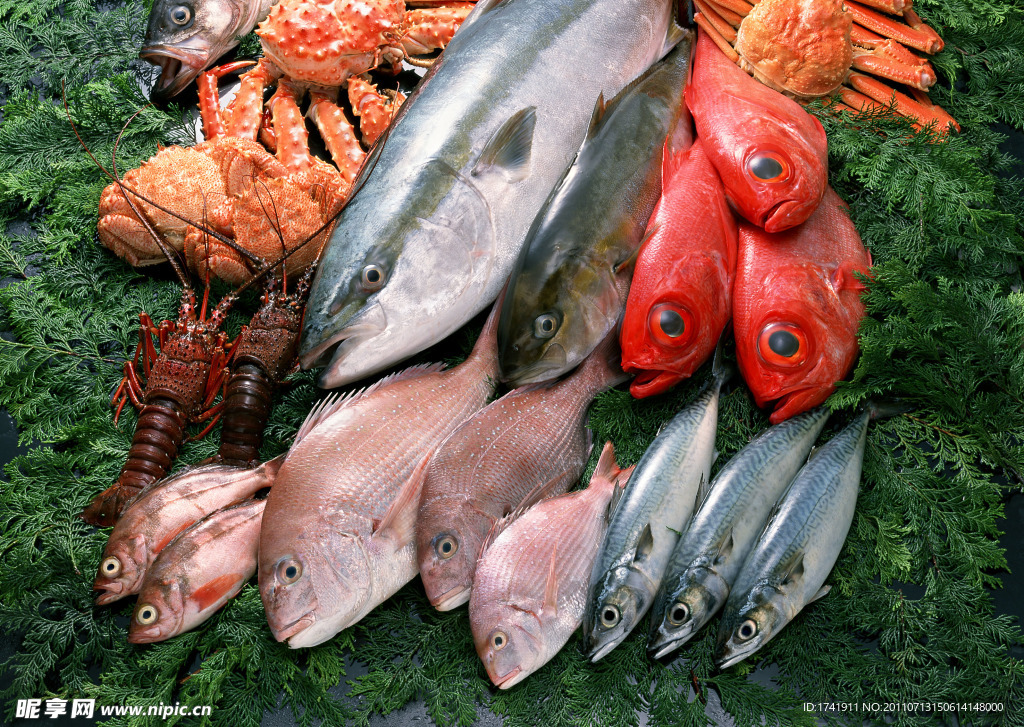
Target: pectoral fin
{"x":792,"y":570}
{"x":551,"y":586}
{"x":399,"y":522}
{"x":724,"y":548}
{"x":221,"y":587}
{"x":645,"y":545}
{"x":509,"y":151}
{"x":822,"y":592}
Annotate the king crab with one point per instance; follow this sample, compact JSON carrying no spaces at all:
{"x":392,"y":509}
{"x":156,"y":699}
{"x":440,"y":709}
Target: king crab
{"x":812,"y":48}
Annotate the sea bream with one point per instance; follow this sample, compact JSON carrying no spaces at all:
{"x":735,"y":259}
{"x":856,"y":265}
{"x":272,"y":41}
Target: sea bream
{"x":338,"y":534}
{"x":163,"y":510}
{"x":655,"y":509}
{"x":569,"y":286}
{"x":725,"y":529}
{"x":532,"y":580}
{"x":444,"y":202}
{"x":788,"y":567}
{"x":529,"y":444}
{"x":197,"y":573}
{"x":185,"y":37}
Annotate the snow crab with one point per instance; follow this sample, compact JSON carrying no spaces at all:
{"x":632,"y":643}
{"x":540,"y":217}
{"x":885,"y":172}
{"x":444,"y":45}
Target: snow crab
{"x":769,"y":39}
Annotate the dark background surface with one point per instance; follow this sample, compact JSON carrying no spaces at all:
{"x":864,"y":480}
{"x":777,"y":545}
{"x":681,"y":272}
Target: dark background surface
{"x":1008,"y":600}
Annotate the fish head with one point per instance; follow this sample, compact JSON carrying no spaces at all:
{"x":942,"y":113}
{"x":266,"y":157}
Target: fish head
{"x":449,"y":533}
{"x":421,"y":278}
{"x":798,"y":337}
{"x":771,"y":154}
{"x":743,"y":631}
{"x":184,"y":37}
{"x":617,"y":603}
{"x":125,"y":560}
{"x":680,"y":610}
{"x":508,"y":640}
{"x":159,"y":613}
{"x":559,"y":306}
{"x":313,"y":585}
{"x":673,"y":320}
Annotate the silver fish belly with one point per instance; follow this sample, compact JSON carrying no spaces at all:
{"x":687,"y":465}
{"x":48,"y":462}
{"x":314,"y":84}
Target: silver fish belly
{"x":444,"y":203}
{"x":801,"y":543}
{"x":725,"y":528}
{"x":645,"y":527}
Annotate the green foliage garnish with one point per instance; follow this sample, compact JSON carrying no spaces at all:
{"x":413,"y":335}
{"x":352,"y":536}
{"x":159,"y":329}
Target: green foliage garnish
{"x":945,"y":333}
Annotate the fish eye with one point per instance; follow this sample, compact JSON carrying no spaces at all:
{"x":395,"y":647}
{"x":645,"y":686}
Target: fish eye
{"x":373,"y":277}
{"x":498,"y":640}
{"x":670,"y":324}
{"x":678,"y":614}
{"x":181,"y":14}
{"x":610,"y":616}
{"x":782,"y":345}
{"x":289,"y":571}
{"x":111,"y":567}
{"x":446,"y":547}
{"x":545,"y":325}
{"x":747,"y":630}
{"x":768,"y":166}
{"x":146,"y":614}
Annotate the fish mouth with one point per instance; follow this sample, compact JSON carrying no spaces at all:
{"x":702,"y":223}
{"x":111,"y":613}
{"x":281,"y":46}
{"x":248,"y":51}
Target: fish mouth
{"x":291,"y":629}
{"x":726,"y":660}
{"x":145,"y":636}
{"x":452,"y":598}
{"x":553,"y":360}
{"x":786,"y":214}
{"x":512,"y":678}
{"x":177,"y":69}
{"x":114,"y":591}
{"x":667,"y":643}
{"x":603,"y":651}
{"x":333,"y":352}
{"x":652,"y":381}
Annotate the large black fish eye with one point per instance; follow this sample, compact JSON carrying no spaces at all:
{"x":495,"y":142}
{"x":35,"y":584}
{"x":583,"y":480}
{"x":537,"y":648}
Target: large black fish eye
{"x":784,"y":343}
{"x":181,"y":14}
{"x":747,"y":630}
{"x":671,"y":323}
{"x":289,"y":570}
{"x":679,"y":613}
{"x":372,"y":277}
{"x":545,"y":325}
{"x":768,"y":167}
{"x":610,"y":616}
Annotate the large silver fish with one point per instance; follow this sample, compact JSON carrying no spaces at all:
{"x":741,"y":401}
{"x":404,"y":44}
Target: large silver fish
{"x":530,"y":443}
{"x":197,"y":573}
{"x":339,"y":529}
{"x":185,"y":37}
{"x":725,"y":529}
{"x":787,"y":569}
{"x":656,"y":508}
{"x":568,"y":289}
{"x":531,"y":582}
{"x":444,"y":203}
{"x":163,"y":510}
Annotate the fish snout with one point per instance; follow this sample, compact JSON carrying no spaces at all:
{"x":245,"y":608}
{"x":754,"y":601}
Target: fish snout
{"x":452,"y":598}
{"x":788,"y":213}
{"x":548,"y":366}
{"x":177,"y":69}
{"x":283,"y":632}
{"x":112,"y":591}
{"x":651,"y":382}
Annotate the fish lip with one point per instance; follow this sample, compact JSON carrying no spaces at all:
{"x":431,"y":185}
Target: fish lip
{"x":724,"y":662}
{"x":780,"y":216}
{"x":452,"y":598}
{"x":289,"y":630}
{"x":668,"y":642}
{"x":332,"y":352}
{"x":603,"y":651}
{"x":649,"y":382}
{"x":177,"y":69}
{"x":537,"y":372}
{"x":146,"y":636}
{"x":112,"y":592}
{"x":512,"y":678}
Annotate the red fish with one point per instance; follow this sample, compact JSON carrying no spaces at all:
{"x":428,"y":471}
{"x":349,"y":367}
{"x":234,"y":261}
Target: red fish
{"x":771,"y":154}
{"x":796,"y":308}
{"x":681,"y":295}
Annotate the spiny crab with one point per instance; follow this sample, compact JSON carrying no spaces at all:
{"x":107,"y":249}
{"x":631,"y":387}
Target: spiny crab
{"x":232,"y":184}
{"x":812,"y":48}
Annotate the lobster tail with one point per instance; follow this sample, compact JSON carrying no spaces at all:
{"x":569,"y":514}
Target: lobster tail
{"x":246,"y":410}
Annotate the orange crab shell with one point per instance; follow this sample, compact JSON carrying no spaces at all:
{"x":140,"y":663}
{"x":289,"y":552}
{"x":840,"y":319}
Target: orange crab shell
{"x":801,"y":47}
{"x":326,"y":42}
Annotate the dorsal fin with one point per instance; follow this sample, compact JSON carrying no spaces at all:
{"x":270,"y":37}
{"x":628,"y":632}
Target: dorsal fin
{"x":542,"y":491}
{"x":510,"y":148}
{"x":595,"y":118}
{"x":399,"y":522}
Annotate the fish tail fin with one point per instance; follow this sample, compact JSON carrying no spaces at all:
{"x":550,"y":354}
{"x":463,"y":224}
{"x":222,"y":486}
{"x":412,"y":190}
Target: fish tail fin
{"x":486,"y":346}
{"x":886,"y":408}
{"x":601,"y":370}
{"x":721,"y":369}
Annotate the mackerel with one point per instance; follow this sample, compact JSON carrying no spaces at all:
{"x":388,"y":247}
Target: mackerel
{"x":647,"y":523}
{"x":787,"y":569}
{"x":444,"y":203}
{"x":724,"y":530}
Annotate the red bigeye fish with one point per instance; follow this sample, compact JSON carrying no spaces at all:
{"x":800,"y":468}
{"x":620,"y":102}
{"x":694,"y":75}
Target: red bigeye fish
{"x":681,"y":295}
{"x":770,"y":153}
{"x":796,"y":308}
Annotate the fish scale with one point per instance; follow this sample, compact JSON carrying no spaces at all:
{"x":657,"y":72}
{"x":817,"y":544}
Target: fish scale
{"x":800,"y":544}
{"x":725,"y":529}
{"x":338,"y":530}
{"x":531,"y":437}
{"x":646,"y":525}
